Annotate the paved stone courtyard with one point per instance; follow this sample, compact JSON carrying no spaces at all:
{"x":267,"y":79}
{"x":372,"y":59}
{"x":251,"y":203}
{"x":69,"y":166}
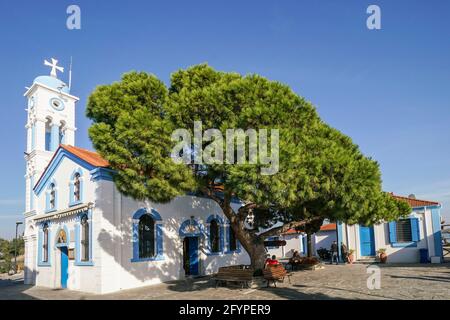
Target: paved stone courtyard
{"x":333,"y":282}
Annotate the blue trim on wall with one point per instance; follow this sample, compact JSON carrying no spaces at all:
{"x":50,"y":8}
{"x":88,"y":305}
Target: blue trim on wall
{"x":199,"y":233}
{"x":159,"y":235}
{"x":436,"y":224}
{"x":72,"y":201}
{"x":102,"y":174}
{"x":153,"y":213}
{"x":215,"y":217}
{"x":404,"y":244}
{"x":78,"y":230}
{"x":221,"y":235}
{"x":53,"y":166}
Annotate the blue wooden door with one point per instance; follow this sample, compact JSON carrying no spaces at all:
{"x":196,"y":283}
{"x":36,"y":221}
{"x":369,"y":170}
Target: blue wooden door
{"x":64,"y":267}
{"x":193,"y":256}
{"x":367,"y":241}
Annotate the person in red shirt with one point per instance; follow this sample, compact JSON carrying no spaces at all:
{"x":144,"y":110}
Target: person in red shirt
{"x":271,"y":261}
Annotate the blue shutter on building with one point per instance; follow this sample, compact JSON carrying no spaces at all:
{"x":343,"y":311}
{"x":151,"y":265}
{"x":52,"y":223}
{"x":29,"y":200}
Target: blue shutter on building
{"x":415,"y":233}
{"x":393,"y":232}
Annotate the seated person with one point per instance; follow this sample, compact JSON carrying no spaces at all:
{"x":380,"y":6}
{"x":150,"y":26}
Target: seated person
{"x":296,"y":258}
{"x":271,"y":261}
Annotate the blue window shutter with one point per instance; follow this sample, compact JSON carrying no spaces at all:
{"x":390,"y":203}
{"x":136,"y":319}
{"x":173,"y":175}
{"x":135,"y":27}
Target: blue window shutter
{"x":393,"y":232}
{"x":415,"y":229}
{"x":159,"y":240}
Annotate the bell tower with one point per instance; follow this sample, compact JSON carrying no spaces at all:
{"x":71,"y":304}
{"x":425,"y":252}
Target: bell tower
{"x":50,"y":122}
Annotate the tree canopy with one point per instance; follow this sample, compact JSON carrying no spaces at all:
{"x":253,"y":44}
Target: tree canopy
{"x":321,"y":174}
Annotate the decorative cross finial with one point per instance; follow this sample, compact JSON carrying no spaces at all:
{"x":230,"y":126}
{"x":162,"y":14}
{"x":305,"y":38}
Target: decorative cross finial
{"x":54,"y":66}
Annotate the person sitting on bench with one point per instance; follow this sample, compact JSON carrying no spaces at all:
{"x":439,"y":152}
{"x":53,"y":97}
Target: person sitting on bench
{"x":271,"y":261}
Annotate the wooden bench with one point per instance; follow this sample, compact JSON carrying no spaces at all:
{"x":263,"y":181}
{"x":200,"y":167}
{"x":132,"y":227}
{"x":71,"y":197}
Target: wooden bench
{"x":241,"y":274}
{"x":274,"y":273}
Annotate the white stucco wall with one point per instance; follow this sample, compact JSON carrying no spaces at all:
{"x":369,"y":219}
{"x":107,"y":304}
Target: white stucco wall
{"x":115,"y":240}
{"x":324,"y":239}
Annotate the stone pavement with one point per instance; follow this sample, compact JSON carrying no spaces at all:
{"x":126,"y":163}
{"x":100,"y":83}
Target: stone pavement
{"x":333,"y":282}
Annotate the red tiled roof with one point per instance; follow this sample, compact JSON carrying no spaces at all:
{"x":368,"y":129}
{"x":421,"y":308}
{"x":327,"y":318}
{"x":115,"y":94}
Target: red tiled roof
{"x":325,"y":227}
{"x":90,"y":157}
{"x":328,"y":227}
{"x":414,"y":203}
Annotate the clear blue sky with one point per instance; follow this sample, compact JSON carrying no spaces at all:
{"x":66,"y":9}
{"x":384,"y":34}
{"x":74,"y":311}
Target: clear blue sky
{"x":389,"y":89}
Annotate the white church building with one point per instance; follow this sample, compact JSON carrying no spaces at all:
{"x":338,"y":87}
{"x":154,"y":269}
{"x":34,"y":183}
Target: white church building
{"x":82,"y":234}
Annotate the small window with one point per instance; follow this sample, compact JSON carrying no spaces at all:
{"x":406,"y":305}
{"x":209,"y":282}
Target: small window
{"x":84,"y":238}
{"x":214,"y":236}
{"x":76,"y":187}
{"x":52,"y":201}
{"x":404,"y":231}
{"x":45,"y":243}
{"x":146,"y":237}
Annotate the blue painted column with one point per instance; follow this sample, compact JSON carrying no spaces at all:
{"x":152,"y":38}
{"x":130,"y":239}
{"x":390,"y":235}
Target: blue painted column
{"x":436,"y":225}
{"x":54,"y":140}
{"x":339,"y":230}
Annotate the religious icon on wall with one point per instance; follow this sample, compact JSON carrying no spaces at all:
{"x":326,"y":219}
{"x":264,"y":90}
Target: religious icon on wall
{"x":62,"y":237}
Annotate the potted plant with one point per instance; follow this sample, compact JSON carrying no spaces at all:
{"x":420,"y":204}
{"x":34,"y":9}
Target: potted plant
{"x":383,"y":255}
{"x":350,"y":256}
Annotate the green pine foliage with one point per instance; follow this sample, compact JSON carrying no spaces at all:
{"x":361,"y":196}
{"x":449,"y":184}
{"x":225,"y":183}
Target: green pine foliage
{"x":322,"y":173}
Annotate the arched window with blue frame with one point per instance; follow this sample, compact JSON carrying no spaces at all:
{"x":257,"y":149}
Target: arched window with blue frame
{"x":83,"y":239}
{"x":51,"y":197}
{"x":44,"y":242}
{"x":147,"y":236}
{"x":76,"y":188}
{"x":215,"y":228}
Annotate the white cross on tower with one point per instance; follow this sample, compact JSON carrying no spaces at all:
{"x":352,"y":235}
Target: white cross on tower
{"x":54,"y":66}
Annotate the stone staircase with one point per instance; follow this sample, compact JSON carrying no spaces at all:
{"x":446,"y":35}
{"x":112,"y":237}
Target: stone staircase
{"x":367,"y":260}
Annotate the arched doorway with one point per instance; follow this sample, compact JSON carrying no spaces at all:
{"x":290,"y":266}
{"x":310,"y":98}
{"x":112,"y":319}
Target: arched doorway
{"x":191,"y":233}
{"x":62,"y":243}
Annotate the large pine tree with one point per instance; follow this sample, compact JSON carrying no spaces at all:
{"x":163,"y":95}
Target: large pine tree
{"x":322,"y":173}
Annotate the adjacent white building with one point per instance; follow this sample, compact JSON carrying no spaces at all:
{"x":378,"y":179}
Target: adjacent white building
{"x":296,"y":241}
{"x":82,"y":234}
{"x":414,"y":239}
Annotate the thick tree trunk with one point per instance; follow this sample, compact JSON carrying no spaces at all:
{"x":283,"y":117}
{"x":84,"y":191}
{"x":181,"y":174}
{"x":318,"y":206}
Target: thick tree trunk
{"x":253,"y":244}
{"x":257,"y":256}
{"x":309,"y":245}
